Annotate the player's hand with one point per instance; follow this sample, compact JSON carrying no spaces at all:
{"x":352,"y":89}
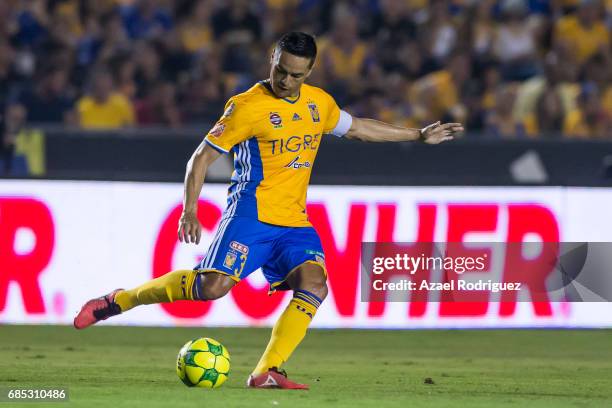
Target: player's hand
{"x":189,"y":229}
{"x":438,"y":133}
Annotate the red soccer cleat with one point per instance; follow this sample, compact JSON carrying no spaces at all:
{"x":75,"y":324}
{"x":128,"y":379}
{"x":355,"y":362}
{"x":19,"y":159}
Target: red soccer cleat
{"x":97,"y":309}
{"x":274,"y":378}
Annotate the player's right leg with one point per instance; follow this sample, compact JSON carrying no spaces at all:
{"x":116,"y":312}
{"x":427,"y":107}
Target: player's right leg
{"x":175,"y":285}
{"x":240,"y":246}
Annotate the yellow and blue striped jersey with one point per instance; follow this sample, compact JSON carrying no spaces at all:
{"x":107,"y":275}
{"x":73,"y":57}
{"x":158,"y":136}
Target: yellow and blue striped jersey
{"x":275,"y":142}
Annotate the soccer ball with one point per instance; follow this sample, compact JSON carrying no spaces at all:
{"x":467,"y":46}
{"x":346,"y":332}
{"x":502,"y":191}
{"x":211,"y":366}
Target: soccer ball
{"x":203,"y":362}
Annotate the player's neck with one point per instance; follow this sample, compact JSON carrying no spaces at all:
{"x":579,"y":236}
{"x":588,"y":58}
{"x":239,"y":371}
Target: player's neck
{"x":267,"y":83}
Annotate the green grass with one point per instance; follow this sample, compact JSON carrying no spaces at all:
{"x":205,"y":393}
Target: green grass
{"x":134,"y":367}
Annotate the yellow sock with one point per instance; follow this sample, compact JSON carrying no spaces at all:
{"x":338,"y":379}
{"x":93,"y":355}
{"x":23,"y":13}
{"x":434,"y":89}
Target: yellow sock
{"x":175,"y":285}
{"x":289,"y":330}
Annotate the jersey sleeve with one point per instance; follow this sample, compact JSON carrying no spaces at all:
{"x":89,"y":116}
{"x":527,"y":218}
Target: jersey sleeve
{"x":232,"y":128}
{"x":338,"y":122}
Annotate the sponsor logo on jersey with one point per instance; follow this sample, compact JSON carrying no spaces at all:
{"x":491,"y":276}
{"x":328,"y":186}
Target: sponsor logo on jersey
{"x":296,"y":117}
{"x":217,"y":130}
{"x":235,"y":245}
{"x":314,"y":112}
{"x":295,"y":164}
{"x":230,"y":109}
{"x":230,"y":260}
{"x":276,"y":120}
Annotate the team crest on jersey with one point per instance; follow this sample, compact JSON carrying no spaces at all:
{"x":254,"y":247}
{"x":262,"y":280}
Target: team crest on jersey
{"x":296,"y":117}
{"x":230,"y":109}
{"x":314,"y":112}
{"x":276,"y":120}
{"x":235,"y":245}
{"x":217,"y":130}
{"x":230,"y":260}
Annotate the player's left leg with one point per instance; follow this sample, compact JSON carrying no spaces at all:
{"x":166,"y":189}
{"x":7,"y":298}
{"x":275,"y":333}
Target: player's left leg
{"x":299,"y":265}
{"x":309,"y":286}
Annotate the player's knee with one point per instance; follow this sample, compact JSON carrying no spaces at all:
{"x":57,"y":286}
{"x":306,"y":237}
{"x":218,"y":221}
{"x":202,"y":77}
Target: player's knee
{"x":311,"y":278}
{"x":317,"y":285}
{"x":320,"y":289}
{"x":213,"y":286}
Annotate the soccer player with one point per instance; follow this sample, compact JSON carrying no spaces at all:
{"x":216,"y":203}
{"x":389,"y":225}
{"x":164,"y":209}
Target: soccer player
{"x":274,"y":131}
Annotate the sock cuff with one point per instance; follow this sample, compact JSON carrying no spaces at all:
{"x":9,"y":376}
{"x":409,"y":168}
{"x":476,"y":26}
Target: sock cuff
{"x":180,"y":289}
{"x":307,"y":308}
{"x":196,"y":288}
{"x":307,"y":297}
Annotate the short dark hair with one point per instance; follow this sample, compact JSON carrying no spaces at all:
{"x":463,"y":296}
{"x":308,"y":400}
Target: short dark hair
{"x":298,"y":43}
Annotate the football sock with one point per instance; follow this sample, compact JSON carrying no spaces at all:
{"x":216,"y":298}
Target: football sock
{"x":175,"y":285}
{"x":289,"y":330}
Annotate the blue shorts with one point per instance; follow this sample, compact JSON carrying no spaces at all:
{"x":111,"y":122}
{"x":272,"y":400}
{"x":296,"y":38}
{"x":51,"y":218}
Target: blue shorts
{"x":244,"y":244}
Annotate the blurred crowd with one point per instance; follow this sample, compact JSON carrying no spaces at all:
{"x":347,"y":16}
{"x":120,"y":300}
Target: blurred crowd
{"x":511,"y":68}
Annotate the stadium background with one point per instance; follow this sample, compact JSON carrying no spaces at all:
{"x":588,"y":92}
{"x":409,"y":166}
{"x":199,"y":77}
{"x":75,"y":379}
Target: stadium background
{"x":530,"y":79}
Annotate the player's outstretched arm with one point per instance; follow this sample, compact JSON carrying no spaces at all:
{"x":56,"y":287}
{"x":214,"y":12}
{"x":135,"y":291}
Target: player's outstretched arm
{"x":189,"y":229}
{"x":370,"y":130}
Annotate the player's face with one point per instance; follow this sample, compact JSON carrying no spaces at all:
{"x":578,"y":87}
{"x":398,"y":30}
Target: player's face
{"x":288,"y":73}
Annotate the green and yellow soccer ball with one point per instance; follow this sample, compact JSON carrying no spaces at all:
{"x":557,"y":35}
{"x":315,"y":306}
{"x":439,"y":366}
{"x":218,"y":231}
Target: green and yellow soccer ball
{"x":203,"y":362}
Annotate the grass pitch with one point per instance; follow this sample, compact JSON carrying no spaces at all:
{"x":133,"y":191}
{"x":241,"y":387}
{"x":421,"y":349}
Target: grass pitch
{"x":134,"y":367}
